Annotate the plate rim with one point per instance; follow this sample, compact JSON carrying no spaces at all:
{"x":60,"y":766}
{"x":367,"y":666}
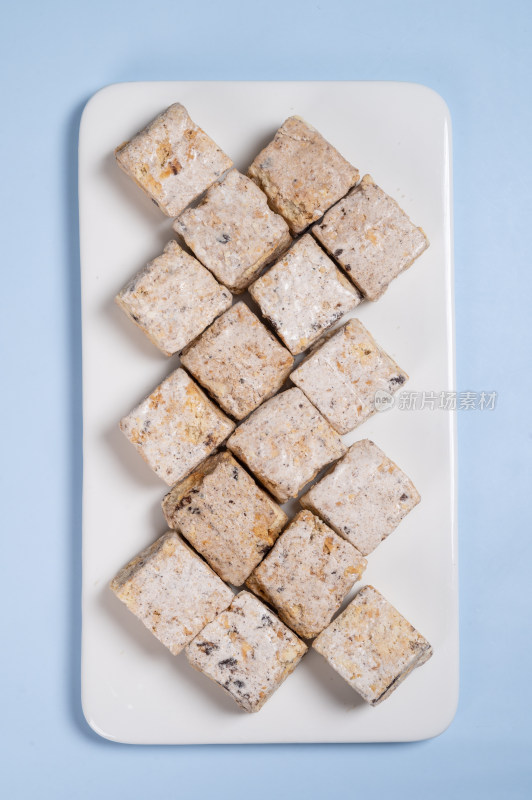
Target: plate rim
{"x":451,"y":368}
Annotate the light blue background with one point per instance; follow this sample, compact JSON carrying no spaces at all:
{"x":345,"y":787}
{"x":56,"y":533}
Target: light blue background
{"x":55,"y":56}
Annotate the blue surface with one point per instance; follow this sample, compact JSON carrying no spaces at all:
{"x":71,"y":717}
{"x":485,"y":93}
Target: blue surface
{"x":55,"y":56}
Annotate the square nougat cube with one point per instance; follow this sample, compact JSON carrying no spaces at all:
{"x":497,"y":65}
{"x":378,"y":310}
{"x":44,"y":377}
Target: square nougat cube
{"x":302,"y":174}
{"x":225,"y":516}
{"x":371,"y":237}
{"x":285,"y":443}
{"x":172,"y":591}
{"x":172,"y":160}
{"x":247,"y":651}
{"x":238,"y":361}
{"x":307,"y":574}
{"x":372,"y":646}
{"x":365,"y":496}
{"x":342,"y":375}
{"x":303,"y":294}
{"x":173,"y":299}
{"x":176,"y":427}
{"x":233,"y":231}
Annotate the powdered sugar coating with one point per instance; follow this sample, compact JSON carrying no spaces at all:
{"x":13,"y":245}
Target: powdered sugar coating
{"x":176,"y":427}
{"x":172,"y":591}
{"x":371,"y":237}
{"x":172,"y":160}
{"x":365,"y":496}
{"x":285,"y":443}
{"x":246,"y":650}
{"x":372,"y":646}
{"x":173,"y":299}
{"x":303,"y":294}
{"x":225,"y":516}
{"x":238,"y":361}
{"x":342,"y":375}
{"x":302,"y":174}
{"x":233,"y":232}
{"x":307,"y":574}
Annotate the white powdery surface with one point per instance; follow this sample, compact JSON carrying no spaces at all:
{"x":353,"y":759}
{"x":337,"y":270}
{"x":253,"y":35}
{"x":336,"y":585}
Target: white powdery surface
{"x":365,"y":496}
{"x":285,"y":443}
{"x":372,"y":646}
{"x":172,"y":591}
{"x":172,"y":160}
{"x":233,"y":231}
{"x":371,"y":237}
{"x":247,"y":650}
{"x":307,"y":574}
{"x":238,"y":361}
{"x":173,"y":299}
{"x":342,"y":375}
{"x":176,"y":427}
{"x":303,"y":294}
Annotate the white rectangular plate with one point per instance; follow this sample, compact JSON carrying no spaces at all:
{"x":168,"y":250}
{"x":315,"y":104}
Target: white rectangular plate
{"x":133,"y":689}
